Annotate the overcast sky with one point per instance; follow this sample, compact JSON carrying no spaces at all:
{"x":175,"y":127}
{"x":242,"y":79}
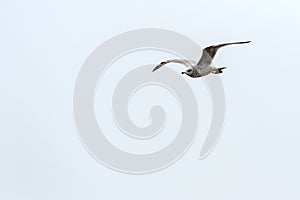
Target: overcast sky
{"x":43,"y":45}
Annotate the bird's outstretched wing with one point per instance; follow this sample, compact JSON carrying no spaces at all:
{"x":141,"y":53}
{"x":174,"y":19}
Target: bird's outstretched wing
{"x":209,"y":53}
{"x":186,"y":62}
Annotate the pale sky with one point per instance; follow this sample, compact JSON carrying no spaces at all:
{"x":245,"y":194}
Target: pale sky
{"x":44,"y":44}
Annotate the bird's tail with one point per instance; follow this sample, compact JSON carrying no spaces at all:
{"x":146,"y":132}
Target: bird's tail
{"x":220,"y":70}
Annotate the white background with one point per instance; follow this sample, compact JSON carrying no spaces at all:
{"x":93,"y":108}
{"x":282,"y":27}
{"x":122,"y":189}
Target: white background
{"x":42,"y":47}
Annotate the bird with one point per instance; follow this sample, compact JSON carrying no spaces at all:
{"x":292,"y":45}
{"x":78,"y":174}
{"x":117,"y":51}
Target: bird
{"x":204,"y":65}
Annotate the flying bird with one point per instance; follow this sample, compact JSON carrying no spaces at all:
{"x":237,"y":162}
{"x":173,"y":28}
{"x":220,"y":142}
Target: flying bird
{"x":204,"y":66}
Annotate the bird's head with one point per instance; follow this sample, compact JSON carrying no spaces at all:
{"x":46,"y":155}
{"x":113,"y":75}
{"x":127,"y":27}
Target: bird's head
{"x":188,"y":72}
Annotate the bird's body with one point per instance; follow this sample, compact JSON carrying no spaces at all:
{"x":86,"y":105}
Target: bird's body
{"x":199,"y":72}
{"x":204,"y":66}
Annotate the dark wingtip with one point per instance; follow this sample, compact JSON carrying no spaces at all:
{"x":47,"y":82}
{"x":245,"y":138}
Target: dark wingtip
{"x":155,"y":68}
{"x":158,"y":66}
{"x":244,"y":42}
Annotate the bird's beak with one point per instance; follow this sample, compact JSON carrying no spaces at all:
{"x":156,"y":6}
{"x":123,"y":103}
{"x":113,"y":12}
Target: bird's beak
{"x":182,"y":72}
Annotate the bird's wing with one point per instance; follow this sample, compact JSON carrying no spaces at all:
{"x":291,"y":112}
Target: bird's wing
{"x":186,"y":62}
{"x":209,"y":53}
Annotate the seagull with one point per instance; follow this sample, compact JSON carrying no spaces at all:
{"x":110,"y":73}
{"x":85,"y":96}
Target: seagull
{"x":204,"y":66}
